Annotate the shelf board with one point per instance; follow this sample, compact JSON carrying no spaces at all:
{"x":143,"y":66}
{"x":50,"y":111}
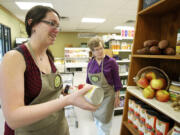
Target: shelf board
{"x":121,"y":50}
{"x":122,"y":61}
{"x":123,"y":74}
{"x":175,"y":57}
{"x":122,"y":95}
{"x":118,"y":108}
{"x":163,"y":107}
{"x":67,"y":58}
{"x":161,"y":7}
{"x":130,"y":128}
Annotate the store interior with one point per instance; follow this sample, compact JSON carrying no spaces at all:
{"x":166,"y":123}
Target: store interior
{"x":146,"y":49}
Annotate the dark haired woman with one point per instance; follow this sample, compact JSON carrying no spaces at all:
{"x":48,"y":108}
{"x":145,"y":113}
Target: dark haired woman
{"x":30,"y":83}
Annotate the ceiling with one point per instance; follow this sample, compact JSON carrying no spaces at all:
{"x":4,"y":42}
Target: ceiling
{"x":116,"y":13}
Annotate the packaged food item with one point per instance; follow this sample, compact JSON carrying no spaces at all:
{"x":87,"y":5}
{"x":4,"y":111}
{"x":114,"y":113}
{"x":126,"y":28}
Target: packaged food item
{"x":130,"y":117}
{"x":150,"y":123}
{"x":174,"y":92}
{"x":162,"y":125}
{"x":141,"y":129}
{"x":178,"y":48}
{"x":176,"y":130}
{"x":95,"y":95}
{"x":143,"y":110}
{"x":131,"y":103}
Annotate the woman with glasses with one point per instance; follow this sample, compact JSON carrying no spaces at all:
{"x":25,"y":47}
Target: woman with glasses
{"x":31,"y":85}
{"x":103,"y":71}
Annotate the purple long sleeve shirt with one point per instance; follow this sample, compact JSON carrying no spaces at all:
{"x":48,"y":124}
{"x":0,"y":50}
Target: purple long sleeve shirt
{"x":110,"y":70}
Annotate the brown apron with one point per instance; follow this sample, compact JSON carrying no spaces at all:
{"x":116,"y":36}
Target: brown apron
{"x":55,"y":123}
{"x":105,"y":111}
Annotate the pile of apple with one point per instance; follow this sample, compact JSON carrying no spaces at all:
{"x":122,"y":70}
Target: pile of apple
{"x":153,"y":86}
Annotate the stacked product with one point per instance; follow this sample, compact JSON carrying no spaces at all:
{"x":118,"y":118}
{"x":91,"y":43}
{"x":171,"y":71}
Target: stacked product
{"x":147,"y":120}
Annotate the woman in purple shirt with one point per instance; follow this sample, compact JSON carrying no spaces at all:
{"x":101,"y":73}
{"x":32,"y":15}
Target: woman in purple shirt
{"x":103,"y":71}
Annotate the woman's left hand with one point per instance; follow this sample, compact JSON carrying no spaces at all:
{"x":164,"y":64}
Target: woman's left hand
{"x":117,"y":101}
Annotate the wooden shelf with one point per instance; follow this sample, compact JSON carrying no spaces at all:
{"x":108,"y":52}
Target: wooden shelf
{"x":163,"y":107}
{"x":173,"y":57}
{"x":130,"y":128}
{"x":161,"y":7}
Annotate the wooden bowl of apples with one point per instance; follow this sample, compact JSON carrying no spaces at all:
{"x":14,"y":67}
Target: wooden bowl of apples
{"x":153,"y":77}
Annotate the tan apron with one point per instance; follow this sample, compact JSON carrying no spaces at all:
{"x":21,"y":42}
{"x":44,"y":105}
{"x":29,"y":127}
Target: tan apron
{"x":105,"y":111}
{"x":55,"y":123}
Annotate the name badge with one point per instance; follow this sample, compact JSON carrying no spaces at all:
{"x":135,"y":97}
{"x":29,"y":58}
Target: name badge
{"x":57,"y":81}
{"x":95,"y":78}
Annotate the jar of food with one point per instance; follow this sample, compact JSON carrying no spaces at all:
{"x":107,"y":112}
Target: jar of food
{"x":142,"y":111}
{"x":162,"y":125}
{"x":95,"y":95}
{"x":178,"y":48}
{"x":150,"y":122}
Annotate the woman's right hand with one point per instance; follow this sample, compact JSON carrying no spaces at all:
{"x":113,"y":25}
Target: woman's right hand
{"x":77,"y":99}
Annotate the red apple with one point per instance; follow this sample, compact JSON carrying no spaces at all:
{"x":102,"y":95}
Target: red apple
{"x":164,"y":83}
{"x":80,"y":86}
{"x":157,"y":84}
{"x":148,"y":92}
{"x":162,"y":95}
{"x":150,"y":75}
{"x":142,"y":82}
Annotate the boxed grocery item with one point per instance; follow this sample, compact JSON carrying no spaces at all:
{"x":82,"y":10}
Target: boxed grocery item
{"x":147,"y":3}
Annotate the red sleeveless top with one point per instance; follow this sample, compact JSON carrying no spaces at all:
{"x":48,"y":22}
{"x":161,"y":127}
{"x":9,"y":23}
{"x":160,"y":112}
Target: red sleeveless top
{"x":32,"y":80}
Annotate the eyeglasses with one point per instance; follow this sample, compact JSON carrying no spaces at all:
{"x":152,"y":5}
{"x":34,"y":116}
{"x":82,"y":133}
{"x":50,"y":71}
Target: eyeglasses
{"x":98,"y":50}
{"x":52,"y":24}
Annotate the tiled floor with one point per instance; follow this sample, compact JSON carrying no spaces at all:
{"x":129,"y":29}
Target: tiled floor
{"x":86,"y":125}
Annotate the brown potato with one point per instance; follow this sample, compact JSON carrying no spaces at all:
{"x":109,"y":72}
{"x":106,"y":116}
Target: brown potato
{"x":155,"y":50}
{"x":169,"y":51}
{"x":149,"y":43}
{"x":163,"y":44}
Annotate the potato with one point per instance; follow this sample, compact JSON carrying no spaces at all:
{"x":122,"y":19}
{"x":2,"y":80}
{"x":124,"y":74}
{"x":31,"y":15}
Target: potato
{"x":155,"y":50}
{"x":143,"y":51}
{"x":169,"y":51}
{"x":163,"y":44}
{"x":149,"y":43}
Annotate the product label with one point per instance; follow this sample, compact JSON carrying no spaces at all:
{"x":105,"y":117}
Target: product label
{"x":161,"y":127}
{"x":150,"y":122}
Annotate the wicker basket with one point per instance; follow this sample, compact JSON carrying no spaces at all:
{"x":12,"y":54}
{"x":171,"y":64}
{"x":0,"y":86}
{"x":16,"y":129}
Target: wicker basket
{"x":159,"y":73}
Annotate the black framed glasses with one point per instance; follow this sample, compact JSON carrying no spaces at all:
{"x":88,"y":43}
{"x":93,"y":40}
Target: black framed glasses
{"x":52,"y":24}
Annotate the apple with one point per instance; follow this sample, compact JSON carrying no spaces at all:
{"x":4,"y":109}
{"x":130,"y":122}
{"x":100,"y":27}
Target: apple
{"x":164,"y":83}
{"x":80,"y":86}
{"x":148,"y":92}
{"x":157,"y":84}
{"x":162,"y":95}
{"x":150,"y":75}
{"x":143,"y":82}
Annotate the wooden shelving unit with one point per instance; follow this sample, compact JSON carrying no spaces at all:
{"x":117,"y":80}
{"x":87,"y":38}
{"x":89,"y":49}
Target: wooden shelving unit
{"x":158,"y":21}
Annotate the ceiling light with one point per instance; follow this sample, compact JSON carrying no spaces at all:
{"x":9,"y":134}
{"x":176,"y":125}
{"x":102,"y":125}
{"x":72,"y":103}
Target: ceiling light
{"x":93,"y":20}
{"x":28,"y":5}
{"x":124,"y":27}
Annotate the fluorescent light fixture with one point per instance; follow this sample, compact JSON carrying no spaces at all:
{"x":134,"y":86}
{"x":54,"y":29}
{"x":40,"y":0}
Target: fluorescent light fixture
{"x":28,"y":5}
{"x":124,"y":27}
{"x":93,"y":20}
